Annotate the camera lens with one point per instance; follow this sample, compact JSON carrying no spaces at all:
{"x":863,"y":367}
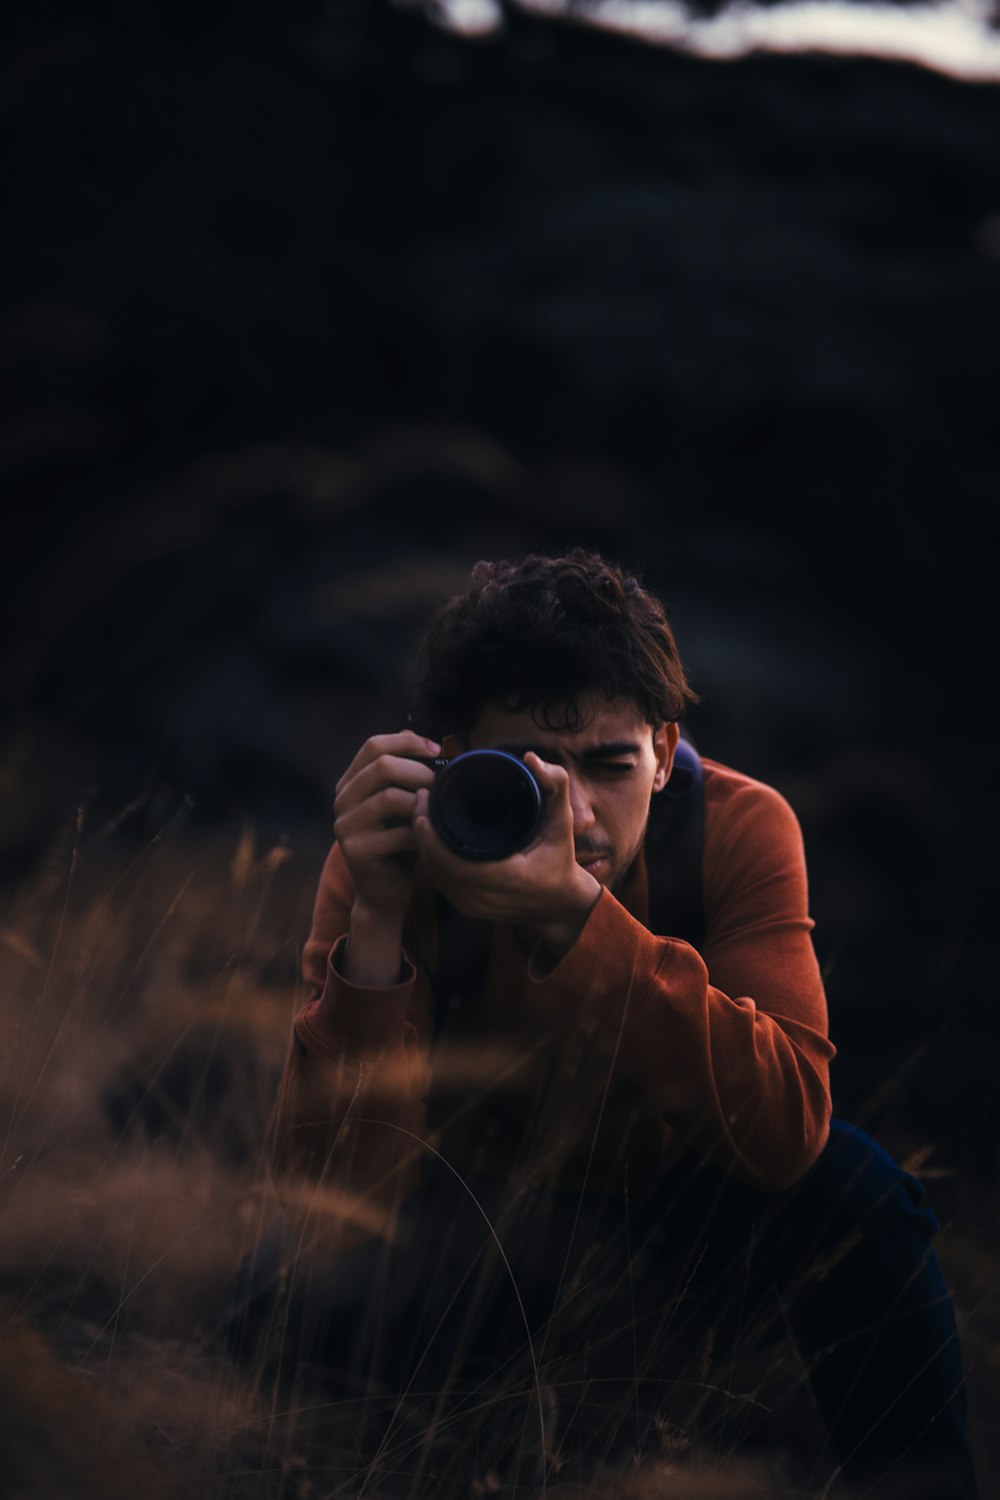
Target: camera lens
{"x":486,"y":804}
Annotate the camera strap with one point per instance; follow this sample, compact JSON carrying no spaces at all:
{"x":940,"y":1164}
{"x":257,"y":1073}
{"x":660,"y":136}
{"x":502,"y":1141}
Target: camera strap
{"x":673,"y":851}
{"x":463,"y":956}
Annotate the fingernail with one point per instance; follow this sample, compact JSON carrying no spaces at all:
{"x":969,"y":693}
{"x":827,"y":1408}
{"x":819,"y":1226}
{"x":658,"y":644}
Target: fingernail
{"x":433,"y":746}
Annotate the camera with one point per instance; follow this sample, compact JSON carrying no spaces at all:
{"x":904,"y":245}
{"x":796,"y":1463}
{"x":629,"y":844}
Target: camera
{"x":485,"y":804}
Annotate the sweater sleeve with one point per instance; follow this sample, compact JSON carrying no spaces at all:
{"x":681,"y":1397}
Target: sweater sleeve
{"x":344,"y":1136}
{"x":731,"y":1043}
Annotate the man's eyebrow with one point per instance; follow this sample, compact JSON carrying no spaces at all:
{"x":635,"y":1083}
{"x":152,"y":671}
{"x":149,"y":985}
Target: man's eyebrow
{"x":521,"y":751}
{"x":610,"y":750}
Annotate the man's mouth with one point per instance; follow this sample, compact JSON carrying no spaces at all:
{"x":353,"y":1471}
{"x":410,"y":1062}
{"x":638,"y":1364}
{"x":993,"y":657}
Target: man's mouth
{"x":593,"y":860}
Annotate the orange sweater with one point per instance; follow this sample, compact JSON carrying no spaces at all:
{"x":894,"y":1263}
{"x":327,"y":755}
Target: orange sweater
{"x":631,"y":1044}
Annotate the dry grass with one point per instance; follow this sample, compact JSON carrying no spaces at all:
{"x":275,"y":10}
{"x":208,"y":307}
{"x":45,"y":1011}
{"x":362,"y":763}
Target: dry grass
{"x":145,"y":1001}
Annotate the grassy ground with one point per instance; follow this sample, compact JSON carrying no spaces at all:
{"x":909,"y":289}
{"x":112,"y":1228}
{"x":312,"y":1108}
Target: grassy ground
{"x":145,"y":1001}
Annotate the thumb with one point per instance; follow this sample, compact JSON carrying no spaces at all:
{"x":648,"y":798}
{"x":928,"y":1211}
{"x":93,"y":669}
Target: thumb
{"x":553,"y":780}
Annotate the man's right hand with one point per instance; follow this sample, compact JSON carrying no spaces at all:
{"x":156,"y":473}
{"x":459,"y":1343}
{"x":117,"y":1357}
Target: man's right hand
{"x":373,"y":824}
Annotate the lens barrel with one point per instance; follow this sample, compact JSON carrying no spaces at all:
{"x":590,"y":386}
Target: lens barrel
{"x":485,"y":804}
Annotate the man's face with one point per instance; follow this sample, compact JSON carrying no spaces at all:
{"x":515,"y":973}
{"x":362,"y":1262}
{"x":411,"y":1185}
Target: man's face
{"x":615,"y":762}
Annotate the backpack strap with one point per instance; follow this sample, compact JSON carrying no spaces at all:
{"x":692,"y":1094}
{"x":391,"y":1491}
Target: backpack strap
{"x":674,"y":846}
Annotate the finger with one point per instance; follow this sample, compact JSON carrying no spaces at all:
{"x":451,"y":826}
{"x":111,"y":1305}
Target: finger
{"x":382,"y":842}
{"x":427,"y":836}
{"x":388,"y":806}
{"x":387,"y":771}
{"x":553,"y":780}
{"x":405,"y":743}
{"x":546,"y":773}
{"x":382,"y":775}
{"x":459,"y":892}
{"x":437,"y":856}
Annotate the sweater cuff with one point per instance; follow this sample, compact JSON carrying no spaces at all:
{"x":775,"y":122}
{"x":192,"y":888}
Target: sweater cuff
{"x":355,"y":1019}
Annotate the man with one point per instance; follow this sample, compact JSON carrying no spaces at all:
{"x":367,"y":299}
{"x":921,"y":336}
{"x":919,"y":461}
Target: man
{"x":517,"y":1124}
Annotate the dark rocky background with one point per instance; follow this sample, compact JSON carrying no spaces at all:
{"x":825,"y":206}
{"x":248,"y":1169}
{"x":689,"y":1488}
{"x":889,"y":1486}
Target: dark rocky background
{"x":309,"y":306}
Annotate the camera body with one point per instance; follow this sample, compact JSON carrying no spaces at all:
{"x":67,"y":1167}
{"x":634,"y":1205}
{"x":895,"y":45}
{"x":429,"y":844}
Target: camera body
{"x":485,"y":804}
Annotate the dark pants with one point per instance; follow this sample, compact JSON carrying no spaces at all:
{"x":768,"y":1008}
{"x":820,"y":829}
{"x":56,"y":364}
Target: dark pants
{"x":623,"y":1306}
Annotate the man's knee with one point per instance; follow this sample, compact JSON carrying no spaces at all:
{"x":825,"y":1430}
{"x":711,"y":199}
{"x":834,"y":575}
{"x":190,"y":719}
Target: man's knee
{"x":856,"y":1190}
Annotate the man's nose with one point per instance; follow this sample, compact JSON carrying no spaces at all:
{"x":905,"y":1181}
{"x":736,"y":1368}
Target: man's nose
{"x":579,"y":801}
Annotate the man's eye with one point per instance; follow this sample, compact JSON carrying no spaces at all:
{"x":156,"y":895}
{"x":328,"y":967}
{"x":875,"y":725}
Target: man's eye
{"x":615,"y":767}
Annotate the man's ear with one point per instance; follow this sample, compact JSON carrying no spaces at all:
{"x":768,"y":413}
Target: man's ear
{"x":665,"y":737}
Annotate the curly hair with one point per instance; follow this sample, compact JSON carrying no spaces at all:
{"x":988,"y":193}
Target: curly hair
{"x":542,"y":634}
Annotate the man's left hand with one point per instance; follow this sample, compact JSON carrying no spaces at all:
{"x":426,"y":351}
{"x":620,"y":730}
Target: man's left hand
{"x":541,"y":888}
